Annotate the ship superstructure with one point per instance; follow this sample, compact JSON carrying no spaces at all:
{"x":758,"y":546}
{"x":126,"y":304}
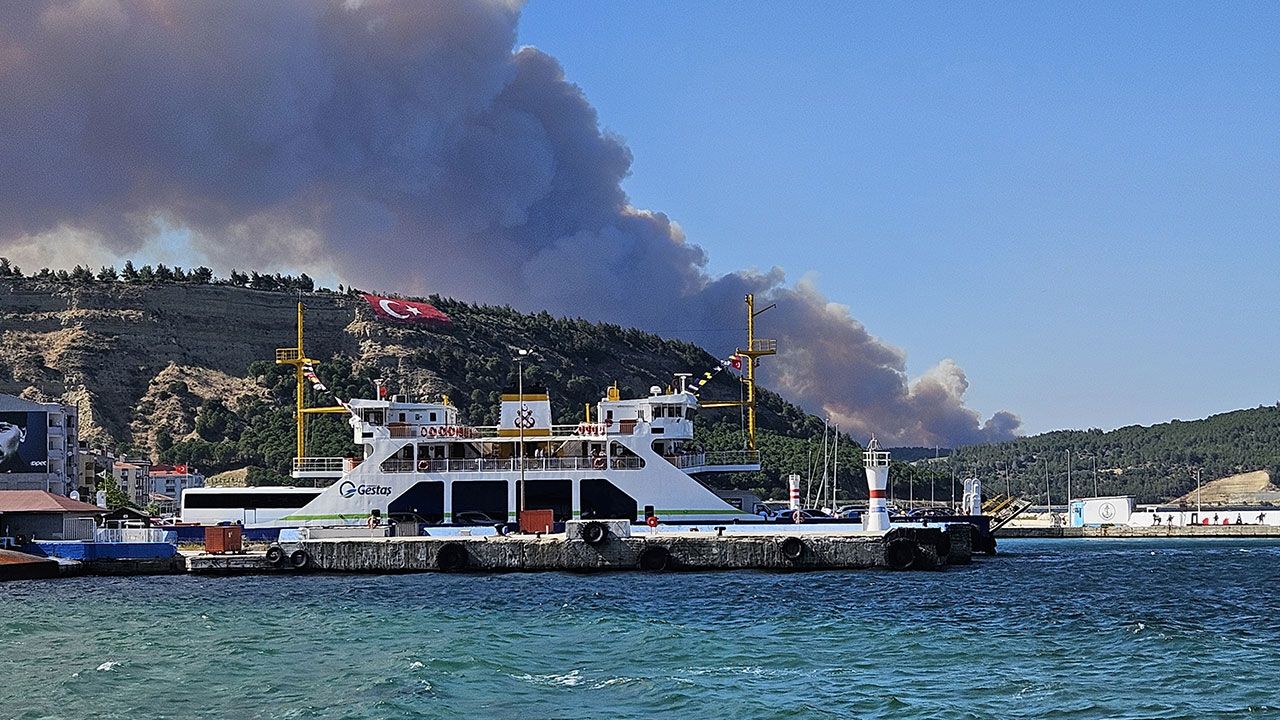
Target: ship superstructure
{"x":637,"y":459}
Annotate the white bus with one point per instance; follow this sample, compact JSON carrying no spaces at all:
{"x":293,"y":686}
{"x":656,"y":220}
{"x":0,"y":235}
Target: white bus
{"x":248,"y":505}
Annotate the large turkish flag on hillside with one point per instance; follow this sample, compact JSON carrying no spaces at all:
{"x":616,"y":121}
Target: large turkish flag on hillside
{"x":406,"y":311}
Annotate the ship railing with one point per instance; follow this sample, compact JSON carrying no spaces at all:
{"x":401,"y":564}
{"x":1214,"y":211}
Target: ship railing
{"x":287,"y":354}
{"x":135,"y":535}
{"x":396,"y":465}
{"x":764,"y":346}
{"x":716,"y":459}
{"x":319,"y":464}
{"x":491,"y":432}
{"x":516,"y":464}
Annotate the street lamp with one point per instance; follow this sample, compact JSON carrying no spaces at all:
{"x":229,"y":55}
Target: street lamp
{"x":521,"y":355}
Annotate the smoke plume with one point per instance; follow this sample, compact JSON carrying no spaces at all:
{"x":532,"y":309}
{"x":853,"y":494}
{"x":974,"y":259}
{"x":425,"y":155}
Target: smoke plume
{"x":398,"y":145}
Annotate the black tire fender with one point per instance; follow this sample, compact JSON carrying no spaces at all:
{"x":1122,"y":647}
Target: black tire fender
{"x":793,"y":548}
{"x":275,"y":555}
{"x":900,"y":554}
{"x":299,"y":559}
{"x":595,"y":532}
{"x":654,"y":558}
{"x":451,"y":557}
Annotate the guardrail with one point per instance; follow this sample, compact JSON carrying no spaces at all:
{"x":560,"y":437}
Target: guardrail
{"x":135,"y":535}
{"x":319,"y":464}
{"x":716,"y":459}
{"x":512,"y":464}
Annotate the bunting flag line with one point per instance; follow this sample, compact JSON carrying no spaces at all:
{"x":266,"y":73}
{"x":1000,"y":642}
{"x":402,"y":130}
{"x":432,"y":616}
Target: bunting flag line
{"x":309,"y":372}
{"x":734,"y":361}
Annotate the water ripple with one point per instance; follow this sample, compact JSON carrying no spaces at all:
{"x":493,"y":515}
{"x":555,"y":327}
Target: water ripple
{"x":1119,"y":629}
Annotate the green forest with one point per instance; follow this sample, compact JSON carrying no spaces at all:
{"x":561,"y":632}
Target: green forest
{"x":1153,"y":463}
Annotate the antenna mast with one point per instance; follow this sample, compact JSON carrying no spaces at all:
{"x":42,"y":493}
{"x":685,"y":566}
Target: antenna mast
{"x":756,"y":349}
{"x":297,"y":357}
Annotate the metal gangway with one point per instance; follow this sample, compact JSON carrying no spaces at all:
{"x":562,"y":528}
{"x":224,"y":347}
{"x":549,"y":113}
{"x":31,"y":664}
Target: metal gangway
{"x":1004,"y":508}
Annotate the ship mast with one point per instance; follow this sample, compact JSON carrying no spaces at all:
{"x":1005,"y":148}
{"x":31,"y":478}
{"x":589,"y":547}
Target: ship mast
{"x":297,"y":357}
{"x":756,"y":348}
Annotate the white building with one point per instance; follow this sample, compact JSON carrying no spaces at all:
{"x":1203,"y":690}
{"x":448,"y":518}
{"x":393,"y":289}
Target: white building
{"x":38,"y":443}
{"x":171,"y":480}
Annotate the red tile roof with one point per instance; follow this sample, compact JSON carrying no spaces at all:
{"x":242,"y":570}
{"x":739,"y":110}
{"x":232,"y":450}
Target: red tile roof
{"x":41,"y":501}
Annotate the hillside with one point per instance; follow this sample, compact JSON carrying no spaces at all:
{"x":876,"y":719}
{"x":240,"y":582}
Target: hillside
{"x":182,"y":369}
{"x":1154,"y":463}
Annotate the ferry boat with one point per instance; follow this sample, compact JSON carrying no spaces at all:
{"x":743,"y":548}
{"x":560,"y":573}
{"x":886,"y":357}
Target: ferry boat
{"x":421,"y":463}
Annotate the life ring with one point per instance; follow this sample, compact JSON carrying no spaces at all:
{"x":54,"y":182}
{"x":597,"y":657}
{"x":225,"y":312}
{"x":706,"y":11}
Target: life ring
{"x":797,"y":516}
{"x":275,"y":555}
{"x":597,"y":462}
{"x":654,"y":558}
{"x":595,"y":532}
{"x":299,"y":559}
{"x":900,"y":553}
{"x":424,"y":465}
{"x":651,"y":521}
{"x":451,"y":557}
{"x":792,"y":548}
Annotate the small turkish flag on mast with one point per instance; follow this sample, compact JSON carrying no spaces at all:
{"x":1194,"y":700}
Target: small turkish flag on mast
{"x":406,"y":311}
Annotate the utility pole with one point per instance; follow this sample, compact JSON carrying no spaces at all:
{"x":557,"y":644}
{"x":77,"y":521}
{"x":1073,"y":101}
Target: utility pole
{"x":1198,"y":506}
{"x":1068,"y":480}
{"x":1048,"y":492}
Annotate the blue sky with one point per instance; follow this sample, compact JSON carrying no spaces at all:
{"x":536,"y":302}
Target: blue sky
{"x":1076,"y":202}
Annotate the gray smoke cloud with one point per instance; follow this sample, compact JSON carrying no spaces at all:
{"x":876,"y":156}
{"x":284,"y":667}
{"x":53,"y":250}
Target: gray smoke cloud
{"x":401,"y":145}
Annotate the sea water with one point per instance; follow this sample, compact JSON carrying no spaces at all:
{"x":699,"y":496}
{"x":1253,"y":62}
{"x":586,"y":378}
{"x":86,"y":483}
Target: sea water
{"x":1079,"y":629}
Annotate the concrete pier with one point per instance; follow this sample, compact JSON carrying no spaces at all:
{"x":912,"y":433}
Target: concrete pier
{"x":1157,"y":531}
{"x":900,"y":549}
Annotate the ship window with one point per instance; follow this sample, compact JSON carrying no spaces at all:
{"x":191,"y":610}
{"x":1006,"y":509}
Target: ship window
{"x":401,"y":417}
{"x":603,"y":499}
{"x":224,"y":501}
{"x":554,"y":495}
{"x":433,"y":417}
{"x":401,"y":461}
{"x":623,"y":458}
{"x":483,"y":496}
{"x":425,"y":501}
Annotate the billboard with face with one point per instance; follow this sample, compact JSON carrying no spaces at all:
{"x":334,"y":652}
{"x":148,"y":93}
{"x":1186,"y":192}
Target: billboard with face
{"x":23,"y":444}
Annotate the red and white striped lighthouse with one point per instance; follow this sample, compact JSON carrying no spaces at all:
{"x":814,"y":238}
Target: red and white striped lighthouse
{"x":876,"y":462}
{"x":793,"y":484}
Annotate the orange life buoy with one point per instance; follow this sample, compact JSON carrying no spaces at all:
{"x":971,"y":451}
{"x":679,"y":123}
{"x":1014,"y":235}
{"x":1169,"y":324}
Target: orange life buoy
{"x":797,"y":516}
{"x":651,"y":521}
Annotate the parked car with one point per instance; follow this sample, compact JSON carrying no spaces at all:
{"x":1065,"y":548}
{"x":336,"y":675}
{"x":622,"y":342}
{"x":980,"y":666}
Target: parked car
{"x":809,"y":514}
{"x":474,"y":517}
